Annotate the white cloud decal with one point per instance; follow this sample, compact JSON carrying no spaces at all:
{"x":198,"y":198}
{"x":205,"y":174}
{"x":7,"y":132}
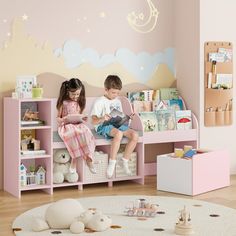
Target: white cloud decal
{"x":142,"y":65}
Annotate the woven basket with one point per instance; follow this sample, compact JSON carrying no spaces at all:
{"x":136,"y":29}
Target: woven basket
{"x":100,"y":162}
{"x":132,"y":165}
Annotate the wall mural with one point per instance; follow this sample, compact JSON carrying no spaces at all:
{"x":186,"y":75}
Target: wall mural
{"x":138,"y":22}
{"x":141,"y":65}
{"x":152,"y":70}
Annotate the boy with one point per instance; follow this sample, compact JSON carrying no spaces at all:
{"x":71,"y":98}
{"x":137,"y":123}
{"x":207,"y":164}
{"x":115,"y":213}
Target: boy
{"x":101,"y":112}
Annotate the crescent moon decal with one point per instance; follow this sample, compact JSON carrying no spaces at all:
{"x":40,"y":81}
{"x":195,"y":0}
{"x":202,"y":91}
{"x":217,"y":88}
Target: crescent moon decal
{"x":137,"y":21}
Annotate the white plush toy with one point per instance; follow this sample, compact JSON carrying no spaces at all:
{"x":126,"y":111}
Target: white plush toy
{"x":69,"y":214}
{"x":61,"y":165}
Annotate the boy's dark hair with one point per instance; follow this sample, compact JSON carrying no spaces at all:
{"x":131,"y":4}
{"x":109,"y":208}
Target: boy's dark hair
{"x":113,"y":81}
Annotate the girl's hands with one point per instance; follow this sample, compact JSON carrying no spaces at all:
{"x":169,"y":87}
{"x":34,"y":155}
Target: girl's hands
{"x":85,"y":118}
{"x":62,"y":120}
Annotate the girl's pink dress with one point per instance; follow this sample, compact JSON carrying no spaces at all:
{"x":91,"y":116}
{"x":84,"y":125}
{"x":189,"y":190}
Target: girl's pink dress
{"x":78,"y":138}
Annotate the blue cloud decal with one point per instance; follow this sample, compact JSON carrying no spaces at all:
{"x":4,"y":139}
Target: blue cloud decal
{"x":142,"y":65}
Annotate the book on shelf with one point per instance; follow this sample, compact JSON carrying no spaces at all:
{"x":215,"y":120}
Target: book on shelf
{"x":135,"y":96}
{"x":32,"y":152}
{"x":148,"y":94}
{"x":31,"y":122}
{"x":76,"y":118}
{"x":169,"y":93}
{"x":162,"y":105}
{"x":25,"y":133}
{"x":117,"y":119}
{"x":149,"y":121}
{"x":183,"y":119}
{"x":175,"y":104}
{"x":142,"y":106}
{"x":166,"y":119}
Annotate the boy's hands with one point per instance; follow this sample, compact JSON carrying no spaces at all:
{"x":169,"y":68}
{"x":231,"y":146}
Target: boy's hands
{"x":132,"y":116}
{"x":106,"y":117}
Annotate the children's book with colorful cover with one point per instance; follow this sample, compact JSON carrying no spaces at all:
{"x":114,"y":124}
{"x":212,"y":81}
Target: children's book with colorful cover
{"x":149,"y":120}
{"x":135,"y":96}
{"x":118,"y":119}
{"x":175,"y":104}
{"x":169,"y":93}
{"x":142,"y":106}
{"x":183,"y":119}
{"x":166,"y":119}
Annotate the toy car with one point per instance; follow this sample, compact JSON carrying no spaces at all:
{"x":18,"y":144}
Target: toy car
{"x":142,"y":208}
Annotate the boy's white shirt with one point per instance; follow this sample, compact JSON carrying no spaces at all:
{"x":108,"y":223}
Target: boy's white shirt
{"x":103,"y":106}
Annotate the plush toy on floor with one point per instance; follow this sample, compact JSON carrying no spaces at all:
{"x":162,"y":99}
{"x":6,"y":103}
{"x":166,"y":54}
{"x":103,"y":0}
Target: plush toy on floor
{"x":69,"y":214}
{"x":61,"y":166}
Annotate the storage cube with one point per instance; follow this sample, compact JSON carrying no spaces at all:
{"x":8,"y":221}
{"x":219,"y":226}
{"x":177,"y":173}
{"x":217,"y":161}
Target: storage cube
{"x":100,"y":163}
{"x":201,"y":173}
{"x":132,"y":165}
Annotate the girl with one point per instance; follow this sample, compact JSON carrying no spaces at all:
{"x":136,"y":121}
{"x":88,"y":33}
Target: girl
{"x":78,"y":138}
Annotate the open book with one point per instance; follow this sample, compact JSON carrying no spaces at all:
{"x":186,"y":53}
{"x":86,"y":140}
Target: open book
{"x":117,"y":119}
{"x":76,"y":118}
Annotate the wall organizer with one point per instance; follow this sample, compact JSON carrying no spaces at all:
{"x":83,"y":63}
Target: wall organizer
{"x":218,"y":83}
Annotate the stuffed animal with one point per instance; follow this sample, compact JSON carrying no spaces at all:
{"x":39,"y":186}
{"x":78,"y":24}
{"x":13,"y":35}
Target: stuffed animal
{"x":61,"y":167}
{"x":69,"y":214}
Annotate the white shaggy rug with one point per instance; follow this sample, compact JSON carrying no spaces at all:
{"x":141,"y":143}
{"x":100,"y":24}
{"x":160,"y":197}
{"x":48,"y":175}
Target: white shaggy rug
{"x":207,"y":219}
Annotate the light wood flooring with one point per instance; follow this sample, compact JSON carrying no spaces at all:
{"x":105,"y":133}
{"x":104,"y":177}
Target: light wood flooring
{"x":10,"y":206}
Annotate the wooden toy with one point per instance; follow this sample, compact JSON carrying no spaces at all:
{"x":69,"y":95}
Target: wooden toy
{"x":142,"y":208}
{"x":183,"y":226}
{"x":30,"y":115}
{"x":40,"y":175}
{"x":29,"y":143}
{"x":23,"y":170}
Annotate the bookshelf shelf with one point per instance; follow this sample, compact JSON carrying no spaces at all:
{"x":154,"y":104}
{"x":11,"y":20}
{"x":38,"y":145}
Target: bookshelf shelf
{"x":34,"y":187}
{"x":16,"y":180}
{"x":35,"y":127}
{"x":27,"y":157}
{"x":170,"y":136}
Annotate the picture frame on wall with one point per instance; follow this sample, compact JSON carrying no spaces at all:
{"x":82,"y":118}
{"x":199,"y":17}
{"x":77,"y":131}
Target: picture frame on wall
{"x":24,"y":85}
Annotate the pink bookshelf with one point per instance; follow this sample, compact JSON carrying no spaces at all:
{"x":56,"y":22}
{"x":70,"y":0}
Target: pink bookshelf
{"x":12,"y":139}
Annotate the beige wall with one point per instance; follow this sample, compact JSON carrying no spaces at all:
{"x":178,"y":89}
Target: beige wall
{"x":187,"y":36}
{"x":217,"y":24}
{"x":210,"y":20}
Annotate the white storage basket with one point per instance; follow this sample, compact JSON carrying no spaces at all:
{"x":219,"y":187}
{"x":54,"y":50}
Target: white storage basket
{"x":132,"y":165}
{"x":100,"y":163}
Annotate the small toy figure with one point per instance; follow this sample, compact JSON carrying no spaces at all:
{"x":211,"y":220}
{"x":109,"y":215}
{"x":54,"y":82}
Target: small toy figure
{"x":29,"y":143}
{"x":183,"y":226}
{"x":142,"y":208}
{"x":30,"y":115}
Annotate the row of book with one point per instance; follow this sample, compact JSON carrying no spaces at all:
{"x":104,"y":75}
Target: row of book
{"x":147,"y":106}
{"x":169,"y":119}
{"x":153,"y":95}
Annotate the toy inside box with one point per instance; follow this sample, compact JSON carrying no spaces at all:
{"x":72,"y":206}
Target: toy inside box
{"x":132,"y":165}
{"x":186,"y":152}
{"x":100,"y":162}
{"x":204,"y":172}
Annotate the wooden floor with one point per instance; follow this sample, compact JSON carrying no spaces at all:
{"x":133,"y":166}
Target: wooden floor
{"x":10,"y":206}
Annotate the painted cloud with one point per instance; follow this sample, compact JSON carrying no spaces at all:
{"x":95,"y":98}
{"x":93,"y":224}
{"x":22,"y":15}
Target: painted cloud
{"x":142,"y":65}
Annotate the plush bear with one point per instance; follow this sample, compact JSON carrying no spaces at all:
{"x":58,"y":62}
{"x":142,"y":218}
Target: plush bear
{"x":69,"y":214}
{"x":61,"y":166}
